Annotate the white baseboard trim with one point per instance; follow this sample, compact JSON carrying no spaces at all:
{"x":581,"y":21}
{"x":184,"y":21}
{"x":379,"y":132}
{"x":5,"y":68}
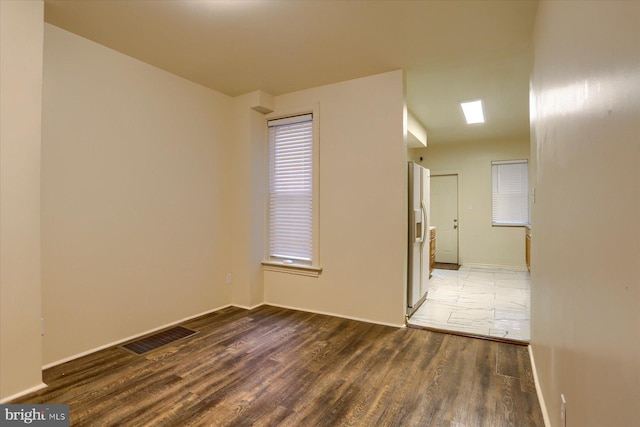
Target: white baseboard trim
{"x":132,"y":337}
{"x":23,"y":393}
{"x":543,"y":406}
{"x":326,"y":313}
{"x":495,"y":266}
{"x":245,"y":307}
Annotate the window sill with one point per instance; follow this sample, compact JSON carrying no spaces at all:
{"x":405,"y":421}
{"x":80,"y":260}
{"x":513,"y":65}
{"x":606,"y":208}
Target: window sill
{"x":299,"y":269}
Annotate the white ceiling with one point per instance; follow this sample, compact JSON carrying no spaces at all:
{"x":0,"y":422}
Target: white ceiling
{"x":450,"y":50}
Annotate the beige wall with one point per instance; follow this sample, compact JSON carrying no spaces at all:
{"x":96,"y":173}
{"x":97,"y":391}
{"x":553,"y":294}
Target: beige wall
{"x":479,"y":242}
{"x":135,"y":197}
{"x":20,"y":136}
{"x":362,"y":203}
{"x":248,"y":188}
{"x":585,"y":297}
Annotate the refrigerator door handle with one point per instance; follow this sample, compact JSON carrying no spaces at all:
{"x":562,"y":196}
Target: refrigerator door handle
{"x":423,"y":208}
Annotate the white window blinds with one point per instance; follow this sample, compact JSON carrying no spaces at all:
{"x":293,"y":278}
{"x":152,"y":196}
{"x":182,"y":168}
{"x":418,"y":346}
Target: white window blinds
{"x":291,"y":189}
{"x":510,"y":193}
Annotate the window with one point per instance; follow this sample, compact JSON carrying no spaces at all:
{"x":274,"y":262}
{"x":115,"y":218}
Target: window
{"x":291,"y":199}
{"x":510,"y":193}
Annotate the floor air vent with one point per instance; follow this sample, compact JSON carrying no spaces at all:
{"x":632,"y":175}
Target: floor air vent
{"x":154,"y":341}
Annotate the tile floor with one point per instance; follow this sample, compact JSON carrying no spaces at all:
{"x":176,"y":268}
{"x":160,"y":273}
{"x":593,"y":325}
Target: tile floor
{"x":479,"y":301}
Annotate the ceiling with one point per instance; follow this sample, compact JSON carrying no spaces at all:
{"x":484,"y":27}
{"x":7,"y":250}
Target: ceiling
{"x":450,"y":50}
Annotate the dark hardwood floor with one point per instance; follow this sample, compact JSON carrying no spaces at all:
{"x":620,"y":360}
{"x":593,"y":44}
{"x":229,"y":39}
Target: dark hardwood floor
{"x":277,"y":367}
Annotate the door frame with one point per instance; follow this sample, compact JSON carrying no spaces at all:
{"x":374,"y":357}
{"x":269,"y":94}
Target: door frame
{"x":458,"y":173}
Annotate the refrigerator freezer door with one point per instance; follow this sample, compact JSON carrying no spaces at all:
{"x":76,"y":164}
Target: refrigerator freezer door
{"x":426,"y":247}
{"x":418,"y":211}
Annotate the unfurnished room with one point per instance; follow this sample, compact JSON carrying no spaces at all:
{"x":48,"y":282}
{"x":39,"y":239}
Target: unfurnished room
{"x":320,"y":213}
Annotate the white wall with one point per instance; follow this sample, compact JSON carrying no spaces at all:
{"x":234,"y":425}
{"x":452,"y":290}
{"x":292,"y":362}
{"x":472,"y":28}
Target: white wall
{"x":20,"y":137}
{"x":248,"y":188}
{"x":135,"y":196}
{"x":362,"y":203}
{"x":479,"y":242}
{"x":585,"y":291}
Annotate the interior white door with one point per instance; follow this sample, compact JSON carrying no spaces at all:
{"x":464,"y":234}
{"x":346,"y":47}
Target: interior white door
{"x":444,"y":216}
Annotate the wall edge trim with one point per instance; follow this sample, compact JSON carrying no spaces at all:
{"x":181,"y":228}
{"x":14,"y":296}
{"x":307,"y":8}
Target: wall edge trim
{"x":342,"y":316}
{"x":23,"y":393}
{"x":247,"y":307}
{"x":543,"y":406}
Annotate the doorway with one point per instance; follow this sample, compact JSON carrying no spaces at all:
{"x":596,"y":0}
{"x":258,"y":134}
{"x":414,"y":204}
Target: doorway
{"x":473,"y":301}
{"x":444,"y":216}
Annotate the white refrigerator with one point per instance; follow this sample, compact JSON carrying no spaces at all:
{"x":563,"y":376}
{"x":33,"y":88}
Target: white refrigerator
{"x":418,"y":275}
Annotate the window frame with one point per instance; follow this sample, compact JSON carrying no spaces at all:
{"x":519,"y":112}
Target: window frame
{"x":270,"y":263}
{"x":524,"y":222}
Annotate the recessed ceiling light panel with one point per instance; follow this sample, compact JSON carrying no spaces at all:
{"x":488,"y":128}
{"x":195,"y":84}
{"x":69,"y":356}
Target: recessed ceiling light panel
{"x":473,"y":111}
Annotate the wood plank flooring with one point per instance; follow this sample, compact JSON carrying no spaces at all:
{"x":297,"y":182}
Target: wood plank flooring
{"x":278,"y":367}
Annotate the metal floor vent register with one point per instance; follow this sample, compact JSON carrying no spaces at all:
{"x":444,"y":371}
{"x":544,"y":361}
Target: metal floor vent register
{"x":154,"y":341}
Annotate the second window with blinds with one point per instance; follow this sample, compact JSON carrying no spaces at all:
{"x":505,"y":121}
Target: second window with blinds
{"x":510,"y":193}
{"x":292,"y":199}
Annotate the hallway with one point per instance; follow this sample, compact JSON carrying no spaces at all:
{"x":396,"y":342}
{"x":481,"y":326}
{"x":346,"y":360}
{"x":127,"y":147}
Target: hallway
{"x":478,"y":301}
